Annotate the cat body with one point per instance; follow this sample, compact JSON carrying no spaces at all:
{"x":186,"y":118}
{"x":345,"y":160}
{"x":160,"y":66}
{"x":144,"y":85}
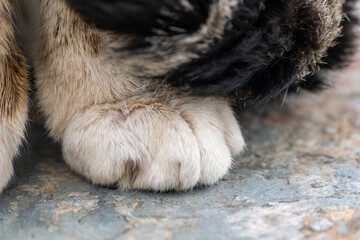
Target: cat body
{"x":139,"y":95}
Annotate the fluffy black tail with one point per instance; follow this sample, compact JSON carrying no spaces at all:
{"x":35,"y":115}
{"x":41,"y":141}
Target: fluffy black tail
{"x":252,"y":50}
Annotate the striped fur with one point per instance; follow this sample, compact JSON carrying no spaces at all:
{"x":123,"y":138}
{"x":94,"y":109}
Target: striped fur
{"x":13,"y":92}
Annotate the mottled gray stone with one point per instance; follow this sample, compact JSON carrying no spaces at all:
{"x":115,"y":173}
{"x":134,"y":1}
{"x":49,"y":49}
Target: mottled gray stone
{"x":299,"y":178}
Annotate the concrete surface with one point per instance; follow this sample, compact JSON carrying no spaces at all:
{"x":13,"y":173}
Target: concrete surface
{"x":299,"y":179}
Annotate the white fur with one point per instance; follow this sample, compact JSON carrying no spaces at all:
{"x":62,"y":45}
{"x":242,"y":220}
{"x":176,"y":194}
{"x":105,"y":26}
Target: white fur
{"x":151,"y":145}
{"x":10,"y":138}
{"x":7,"y":151}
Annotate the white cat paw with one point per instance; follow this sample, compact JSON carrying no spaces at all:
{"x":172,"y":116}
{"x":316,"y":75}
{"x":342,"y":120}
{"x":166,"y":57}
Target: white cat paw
{"x":145,"y":144}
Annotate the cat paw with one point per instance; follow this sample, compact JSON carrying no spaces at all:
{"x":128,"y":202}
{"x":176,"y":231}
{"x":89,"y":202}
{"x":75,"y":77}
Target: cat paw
{"x":149,"y":145}
{"x":10,"y":139}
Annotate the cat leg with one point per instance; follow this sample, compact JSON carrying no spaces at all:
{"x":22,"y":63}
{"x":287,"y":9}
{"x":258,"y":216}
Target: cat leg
{"x":115,"y":129}
{"x":13,"y":93}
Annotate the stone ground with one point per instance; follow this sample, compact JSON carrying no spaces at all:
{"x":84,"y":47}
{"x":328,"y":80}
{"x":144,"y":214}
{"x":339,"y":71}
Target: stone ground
{"x":299,"y":179}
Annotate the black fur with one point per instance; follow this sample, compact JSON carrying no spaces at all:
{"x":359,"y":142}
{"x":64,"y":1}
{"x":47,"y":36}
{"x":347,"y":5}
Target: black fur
{"x":269,"y":46}
{"x":144,"y":17}
{"x":252,"y":60}
{"x":262,"y":55}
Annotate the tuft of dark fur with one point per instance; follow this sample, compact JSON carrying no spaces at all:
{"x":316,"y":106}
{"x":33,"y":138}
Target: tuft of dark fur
{"x":271,"y":46}
{"x":267,"y":47}
{"x":251,"y":59}
{"x":340,"y":55}
{"x":144,"y":17}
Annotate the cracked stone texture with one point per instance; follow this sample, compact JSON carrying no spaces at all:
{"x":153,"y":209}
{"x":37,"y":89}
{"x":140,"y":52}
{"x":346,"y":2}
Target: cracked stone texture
{"x":299,"y":179}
